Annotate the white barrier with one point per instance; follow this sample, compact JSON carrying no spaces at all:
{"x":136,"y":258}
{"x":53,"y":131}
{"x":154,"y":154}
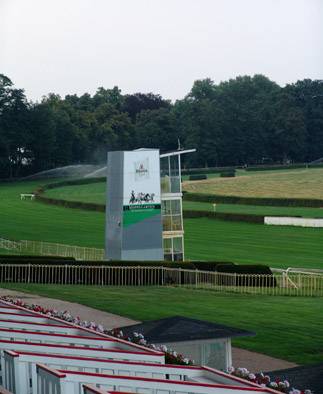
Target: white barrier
{"x":293,"y":221}
{"x":308,"y":285}
{"x":41,"y":327}
{"x":78,"y":351}
{"x":23,"y":364}
{"x":53,"y":338}
{"x":25,"y":315}
{"x":45,"y":335}
{"x":52,"y":249}
{"x":23,"y":196}
{"x":62,"y":381}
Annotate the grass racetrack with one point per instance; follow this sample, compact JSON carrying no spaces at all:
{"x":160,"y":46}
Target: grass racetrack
{"x":25,"y":219}
{"x":286,"y":327}
{"x":277,"y":246}
{"x":205,"y":239}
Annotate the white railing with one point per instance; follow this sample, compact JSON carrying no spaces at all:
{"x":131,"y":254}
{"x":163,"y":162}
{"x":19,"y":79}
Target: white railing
{"x":297,"y":284}
{"x":52,"y":249}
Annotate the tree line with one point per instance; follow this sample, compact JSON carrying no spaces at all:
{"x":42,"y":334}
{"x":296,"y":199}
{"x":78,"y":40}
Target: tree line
{"x":243,"y":121}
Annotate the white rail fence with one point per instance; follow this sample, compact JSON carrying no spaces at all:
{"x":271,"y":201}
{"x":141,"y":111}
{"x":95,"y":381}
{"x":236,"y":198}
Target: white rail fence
{"x":52,"y":249}
{"x":298,"y":284}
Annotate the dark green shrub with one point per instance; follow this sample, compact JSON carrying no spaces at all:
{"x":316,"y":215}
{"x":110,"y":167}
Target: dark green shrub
{"x":12,"y":257}
{"x":209,"y":265}
{"x":275,"y":167}
{"x":252,"y":269}
{"x":209,"y":170}
{"x":64,"y":274}
{"x":236,"y":217}
{"x":70,"y":204}
{"x":197,"y":177}
{"x":253,"y":275}
{"x":286,"y":202}
{"x":228,"y":174}
{"x":315,"y":165}
{"x":37,"y":260}
{"x":88,"y":206}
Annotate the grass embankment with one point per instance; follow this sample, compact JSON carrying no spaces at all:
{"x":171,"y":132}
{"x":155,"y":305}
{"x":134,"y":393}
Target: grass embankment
{"x":205,"y":239}
{"x":298,"y":183}
{"x":286,"y":327}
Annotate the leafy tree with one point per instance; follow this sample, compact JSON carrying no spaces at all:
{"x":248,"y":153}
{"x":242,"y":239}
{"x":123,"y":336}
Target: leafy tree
{"x":245,"y":120}
{"x":157,"y":129}
{"x":135,"y":103}
{"x":13,"y":128}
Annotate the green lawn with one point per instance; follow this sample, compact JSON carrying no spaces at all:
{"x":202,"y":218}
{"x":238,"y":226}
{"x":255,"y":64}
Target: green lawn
{"x":286,"y":327}
{"x":92,"y":192}
{"x":35,"y":221}
{"x":205,"y":239}
{"x":278,"y":246}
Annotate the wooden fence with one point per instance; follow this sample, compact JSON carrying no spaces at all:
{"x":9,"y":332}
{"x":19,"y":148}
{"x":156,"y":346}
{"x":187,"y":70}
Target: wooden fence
{"x":298,"y":284}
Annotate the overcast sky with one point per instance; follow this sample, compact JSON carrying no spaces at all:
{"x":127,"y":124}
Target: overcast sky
{"x":160,"y":46}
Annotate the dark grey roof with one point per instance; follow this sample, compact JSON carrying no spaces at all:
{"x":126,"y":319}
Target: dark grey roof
{"x":180,"y":329}
{"x":303,"y":377}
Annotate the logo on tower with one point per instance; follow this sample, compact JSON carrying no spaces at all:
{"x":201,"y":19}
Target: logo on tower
{"x":142,"y":169}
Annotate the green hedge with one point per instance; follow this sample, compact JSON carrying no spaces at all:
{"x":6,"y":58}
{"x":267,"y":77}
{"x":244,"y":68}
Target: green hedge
{"x":235,"y":217}
{"x":258,"y":280}
{"x":197,"y":177}
{"x":258,"y":167}
{"x":70,"y":204}
{"x":315,"y":165}
{"x":251,"y":269}
{"x":13,"y":257}
{"x":38,"y":260}
{"x":209,"y":170}
{"x":228,"y":174}
{"x":80,"y":181}
{"x":286,"y":202}
{"x":186,"y":213}
{"x":88,"y":206}
{"x":191,"y":265}
{"x":209,"y":265}
{"x":57,"y":260}
{"x":275,"y":167}
{"x":221,"y":266}
{"x":283,"y":167}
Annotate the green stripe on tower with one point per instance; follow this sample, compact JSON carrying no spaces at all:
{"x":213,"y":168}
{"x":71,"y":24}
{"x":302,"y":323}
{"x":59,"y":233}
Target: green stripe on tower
{"x":133,"y":216}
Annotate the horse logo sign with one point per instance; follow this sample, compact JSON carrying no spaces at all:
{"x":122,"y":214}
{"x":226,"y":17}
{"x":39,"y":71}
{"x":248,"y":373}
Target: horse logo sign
{"x":142,"y":198}
{"x":142,"y":170}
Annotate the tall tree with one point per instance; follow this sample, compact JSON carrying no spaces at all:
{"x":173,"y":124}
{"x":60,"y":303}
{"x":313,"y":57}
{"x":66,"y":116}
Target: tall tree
{"x":14,"y":129}
{"x":135,"y":103}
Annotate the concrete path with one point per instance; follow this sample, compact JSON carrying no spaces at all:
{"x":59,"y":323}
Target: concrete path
{"x":255,"y":362}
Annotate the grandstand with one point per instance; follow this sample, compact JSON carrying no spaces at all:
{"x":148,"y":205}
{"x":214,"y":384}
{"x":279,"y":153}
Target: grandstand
{"x":45,"y":355}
